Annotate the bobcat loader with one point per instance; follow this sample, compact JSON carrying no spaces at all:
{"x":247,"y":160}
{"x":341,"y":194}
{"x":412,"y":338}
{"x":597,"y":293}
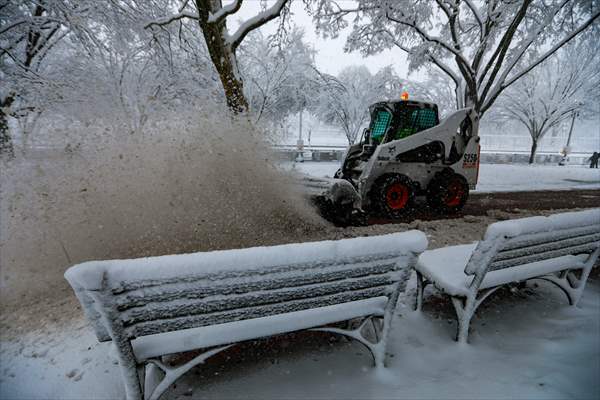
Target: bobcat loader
{"x":405,"y":152}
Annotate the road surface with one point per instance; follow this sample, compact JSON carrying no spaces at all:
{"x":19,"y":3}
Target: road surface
{"x":481,"y":203}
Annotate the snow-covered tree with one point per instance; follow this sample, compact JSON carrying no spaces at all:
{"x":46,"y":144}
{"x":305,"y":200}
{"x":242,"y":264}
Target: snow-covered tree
{"x":345,"y":100}
{"x":565,"y":83}
{"x":480,"y":45}
{"x":279,"y":79}
{"x":436,"y":88}
{"x":212,"y":17}
{"x":29,"y":31}
{"x":105,"y":69}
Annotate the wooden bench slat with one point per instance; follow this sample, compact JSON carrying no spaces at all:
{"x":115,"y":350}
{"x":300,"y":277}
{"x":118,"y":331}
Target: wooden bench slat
{"x":546,"y":246}
{"x":580,"y":249}
{"x":187,"y":307}
{"x":173,"y":324}
{"x":125,"y":286}
{"x":202,"y":289}
{"x":533,"y":239}
{"x":233,"y":332}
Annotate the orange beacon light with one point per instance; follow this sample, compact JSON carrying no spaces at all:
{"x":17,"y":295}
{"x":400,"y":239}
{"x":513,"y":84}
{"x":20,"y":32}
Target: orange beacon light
{"x":404,"y":96}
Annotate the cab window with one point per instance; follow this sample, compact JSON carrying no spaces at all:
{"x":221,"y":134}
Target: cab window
{"x":415,"y":120}
{"x":380,"y":124}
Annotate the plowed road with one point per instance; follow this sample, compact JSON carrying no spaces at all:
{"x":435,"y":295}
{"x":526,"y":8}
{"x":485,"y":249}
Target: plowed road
{"x":481,"y":203}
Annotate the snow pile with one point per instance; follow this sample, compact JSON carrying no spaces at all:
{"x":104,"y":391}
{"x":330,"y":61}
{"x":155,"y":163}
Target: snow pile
{"x":200,"y":182}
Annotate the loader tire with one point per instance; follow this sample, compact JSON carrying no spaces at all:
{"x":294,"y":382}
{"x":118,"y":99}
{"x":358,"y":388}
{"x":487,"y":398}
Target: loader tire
{"x":447,"y":192}
{"x":394,"y":196}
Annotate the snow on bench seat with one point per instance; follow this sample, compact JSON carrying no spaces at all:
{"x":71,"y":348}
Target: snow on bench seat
{"x":151,"y":307}
{"x":561,"y":248}
{"x":446,"y":267}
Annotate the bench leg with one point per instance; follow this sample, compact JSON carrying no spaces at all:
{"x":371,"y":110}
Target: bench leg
{"x":421,"y":283}
{"x":377,"y":349}
{"x":568,"y":281}
{"x":464,"y":313}
{"x":569,"y":284}
{"x":151,"y":378}
{"x":155,"y":384}
{"x":465,"y":310}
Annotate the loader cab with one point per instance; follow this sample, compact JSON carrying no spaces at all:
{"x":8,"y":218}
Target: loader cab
{"x":393,"y":120}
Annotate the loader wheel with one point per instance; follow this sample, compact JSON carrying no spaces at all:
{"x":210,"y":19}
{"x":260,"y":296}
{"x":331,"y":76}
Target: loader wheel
{"x":447,"y":192}
{"x":394,"y":196}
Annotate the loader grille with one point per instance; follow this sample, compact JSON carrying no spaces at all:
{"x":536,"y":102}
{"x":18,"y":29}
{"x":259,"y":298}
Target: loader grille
{"x":414,"y":121}
{"x":382,"y":120}
{"x":424,"y":119}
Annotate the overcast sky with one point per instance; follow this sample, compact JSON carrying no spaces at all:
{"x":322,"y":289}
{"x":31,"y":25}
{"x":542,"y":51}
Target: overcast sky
{"x":330,"y":57}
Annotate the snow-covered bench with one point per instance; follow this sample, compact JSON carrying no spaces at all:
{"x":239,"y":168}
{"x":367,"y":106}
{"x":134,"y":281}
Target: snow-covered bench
{"x":152,"y":307}
{"x":561,"y":248}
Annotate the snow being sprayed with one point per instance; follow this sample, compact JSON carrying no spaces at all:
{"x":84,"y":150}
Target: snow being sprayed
{"x":191,"y":184}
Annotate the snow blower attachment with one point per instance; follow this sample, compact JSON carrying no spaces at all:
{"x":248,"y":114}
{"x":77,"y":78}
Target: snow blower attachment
{"x":404,"y":153}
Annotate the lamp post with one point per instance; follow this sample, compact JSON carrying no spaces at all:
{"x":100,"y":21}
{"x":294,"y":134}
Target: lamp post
{"x":567,"y":149}
{"x":575,"y":115}
{"x":300,"y":142}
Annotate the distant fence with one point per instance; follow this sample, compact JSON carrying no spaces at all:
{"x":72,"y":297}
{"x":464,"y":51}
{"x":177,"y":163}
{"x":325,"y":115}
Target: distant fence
{"x":336,"y":153}
{"x":310,"y":153}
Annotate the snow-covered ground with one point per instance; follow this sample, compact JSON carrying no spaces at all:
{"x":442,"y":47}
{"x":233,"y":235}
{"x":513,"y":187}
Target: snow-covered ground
{"x":524,"y":344}
{"x":527,"y":344}
{"x":502,"y":177}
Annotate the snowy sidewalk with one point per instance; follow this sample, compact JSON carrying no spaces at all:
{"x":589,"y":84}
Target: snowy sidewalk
{"x":536,"y":347}
{"x":503,"y":177}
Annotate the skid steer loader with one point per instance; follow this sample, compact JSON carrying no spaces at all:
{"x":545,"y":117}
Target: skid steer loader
{"x":404,"y":153}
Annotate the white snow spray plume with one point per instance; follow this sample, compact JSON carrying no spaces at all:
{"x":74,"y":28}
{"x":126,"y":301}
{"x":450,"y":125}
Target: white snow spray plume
{"x":192,"y":184}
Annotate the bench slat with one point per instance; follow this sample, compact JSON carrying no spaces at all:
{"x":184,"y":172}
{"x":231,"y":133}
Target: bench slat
{"x":584,"y":248}
{"x":187,"y":307}
{"x":547,"y":246}
{"x":173,"y":324}
{"x":202,"y":289}
{"x":125,"y":286}
{"x":549,"y":237}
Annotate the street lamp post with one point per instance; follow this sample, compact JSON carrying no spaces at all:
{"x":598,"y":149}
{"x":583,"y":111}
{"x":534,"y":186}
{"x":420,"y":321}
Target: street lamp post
{"x":567,"y":149}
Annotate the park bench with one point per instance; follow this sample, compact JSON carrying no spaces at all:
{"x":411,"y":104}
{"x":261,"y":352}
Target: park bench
{"x":154,"y":307}
{"x":561,"y":249}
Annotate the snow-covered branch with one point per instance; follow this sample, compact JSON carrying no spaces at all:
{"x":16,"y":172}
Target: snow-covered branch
{"x":495,"y":62}
{"x":255,"y":22}
{"x":475,"y":12}
{"x":436,"y":40}
{"x":540,"y":59}
{"x":221,"y":14}
{"x":176,"y":17}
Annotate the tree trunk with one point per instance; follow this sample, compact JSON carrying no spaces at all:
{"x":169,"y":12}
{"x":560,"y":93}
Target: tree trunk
{"x":223,"y":58}
{"x":533,"y":150}
{"x":234,"y":88}
{"x":6,"y":143}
